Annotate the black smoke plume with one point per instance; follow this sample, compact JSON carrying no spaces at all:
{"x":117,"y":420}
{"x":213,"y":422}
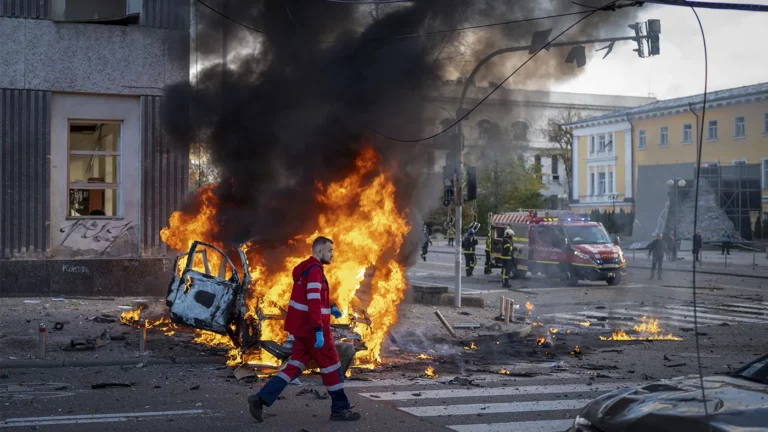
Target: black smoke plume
{"x":294,"y":106}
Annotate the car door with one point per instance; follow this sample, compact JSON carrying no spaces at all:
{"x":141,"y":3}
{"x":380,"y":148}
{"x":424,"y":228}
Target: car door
{"x":558,"y":253}
{"x":542,"y":247}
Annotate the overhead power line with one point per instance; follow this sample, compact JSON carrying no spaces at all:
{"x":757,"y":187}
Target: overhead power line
{"x":710,"y":5}
{"x":222,"y":14}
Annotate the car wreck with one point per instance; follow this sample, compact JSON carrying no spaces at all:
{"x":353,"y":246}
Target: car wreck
{"x":735,"y":402}
{"x":199,"y":299}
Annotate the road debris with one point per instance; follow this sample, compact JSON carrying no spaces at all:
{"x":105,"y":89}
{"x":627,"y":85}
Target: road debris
{"x":430,"y":373}
{"x":58,"y":326}
{"x":576,"y":352}
{"x":445,"y":323}
{"x":195,"y":387}
{"x":675,"y":364}
{"x":109,"y":385}
{"x":88,"y":344}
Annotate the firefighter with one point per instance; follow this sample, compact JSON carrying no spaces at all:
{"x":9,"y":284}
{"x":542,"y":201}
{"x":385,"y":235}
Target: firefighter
{"x":508,"y":261}
{"x":488,"y":246}
{"x":308,"y":320}
{"x":451,"y":236}
{"x":468,"y":245}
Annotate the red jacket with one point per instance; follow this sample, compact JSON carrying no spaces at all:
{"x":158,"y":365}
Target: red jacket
{"x":309,"y":309}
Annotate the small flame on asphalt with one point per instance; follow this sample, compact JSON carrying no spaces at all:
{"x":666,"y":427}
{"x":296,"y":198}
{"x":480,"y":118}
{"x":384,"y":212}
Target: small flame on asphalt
{"x":425,"y":357}
{"x":540,"y":341}
{"x":504,"y":371}
{"x":537,"y":324}
{"x":553,"y":330}
{"x":585,"y":323}
{"x":576,"y":351}
{"x":430,"y":373}
{"x":471,"y":347}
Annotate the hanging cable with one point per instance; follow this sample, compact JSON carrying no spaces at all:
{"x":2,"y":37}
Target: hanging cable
{"x":696,"y":212}
{"x":222,"y":14}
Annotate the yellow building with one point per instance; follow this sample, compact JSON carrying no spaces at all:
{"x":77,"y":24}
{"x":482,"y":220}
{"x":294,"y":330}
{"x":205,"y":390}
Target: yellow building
{"x":610,"y":150}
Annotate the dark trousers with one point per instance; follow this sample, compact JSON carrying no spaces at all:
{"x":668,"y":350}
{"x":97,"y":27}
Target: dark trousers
{"x":487,"y":261}
{"x":726,"y":248}
{"x":450,"y":241}
{"x":424,"y":250}
{"x":326,"y":358}
{"x":697,"y":255}
{"x":507,"y":271}
{"x":471,"y":260}
{"x":657,"y":261}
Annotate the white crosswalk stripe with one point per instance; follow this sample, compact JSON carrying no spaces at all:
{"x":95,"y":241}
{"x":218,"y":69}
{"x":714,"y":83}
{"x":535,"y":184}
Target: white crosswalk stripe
{"x":670,"y":317}
{"x":529,"y":405}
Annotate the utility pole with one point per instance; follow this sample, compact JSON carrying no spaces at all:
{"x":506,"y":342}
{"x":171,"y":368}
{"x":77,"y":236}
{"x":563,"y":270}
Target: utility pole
{"x":457,"y":178}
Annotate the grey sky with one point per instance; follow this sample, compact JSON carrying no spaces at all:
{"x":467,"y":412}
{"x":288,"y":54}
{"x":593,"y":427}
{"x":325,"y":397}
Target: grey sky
{"x":735,"y":42}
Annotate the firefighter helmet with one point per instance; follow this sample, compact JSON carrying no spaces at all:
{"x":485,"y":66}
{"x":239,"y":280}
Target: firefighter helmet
{"x":508,"y":233}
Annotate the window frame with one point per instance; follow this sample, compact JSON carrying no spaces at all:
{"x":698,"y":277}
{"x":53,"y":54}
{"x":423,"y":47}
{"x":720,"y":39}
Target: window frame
{"x":602,"y":140}
{"x":737,"y":162}
{"x":642,"y":139}
{"x":117,"y":187}
{"x":736,"y":127}
{"x":601,"y":189}
{"x":592,"y":145}
{"x":765,"y":123}
{"x":664,"y":136}
{"x":690,"y":133}
{"x":764,"y":171}
{"x":555,"y":168}
{"x":709,"y":130}
{"x":592,"y":184}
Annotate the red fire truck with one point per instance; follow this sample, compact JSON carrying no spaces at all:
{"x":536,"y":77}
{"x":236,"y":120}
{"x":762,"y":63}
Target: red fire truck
{"x":558,"y":244}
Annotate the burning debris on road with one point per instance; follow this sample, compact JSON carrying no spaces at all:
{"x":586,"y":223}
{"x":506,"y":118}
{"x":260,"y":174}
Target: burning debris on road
{"x":649,"y":331}
{"x":430,"y":373}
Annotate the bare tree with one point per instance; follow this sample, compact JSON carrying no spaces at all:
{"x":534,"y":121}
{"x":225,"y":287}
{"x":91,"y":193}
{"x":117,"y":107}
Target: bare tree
{"x":563,"y":137}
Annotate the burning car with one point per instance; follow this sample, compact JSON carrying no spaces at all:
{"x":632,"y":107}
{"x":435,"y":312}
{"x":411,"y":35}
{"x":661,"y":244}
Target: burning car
{"x":218,"y":303}
{"x":735,"y":402}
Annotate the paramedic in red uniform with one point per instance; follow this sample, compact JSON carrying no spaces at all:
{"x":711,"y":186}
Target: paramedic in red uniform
{"x":308,"y":320}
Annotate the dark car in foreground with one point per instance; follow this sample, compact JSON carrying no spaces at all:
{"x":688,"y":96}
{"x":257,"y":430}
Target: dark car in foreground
{"x":735,"y":402}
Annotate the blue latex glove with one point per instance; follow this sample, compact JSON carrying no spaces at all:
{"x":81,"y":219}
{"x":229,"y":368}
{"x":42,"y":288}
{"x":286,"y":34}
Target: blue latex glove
{"x":336,"y":312}
{"x":319,"y":339}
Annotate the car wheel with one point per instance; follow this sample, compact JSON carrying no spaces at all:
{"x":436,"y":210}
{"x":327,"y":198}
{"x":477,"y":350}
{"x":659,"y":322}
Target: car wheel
{"x":613,"y":281}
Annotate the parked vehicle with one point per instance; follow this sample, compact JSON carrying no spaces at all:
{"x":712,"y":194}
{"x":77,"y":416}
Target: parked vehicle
{"x":735,"y":402}
{"x":558,"y":244}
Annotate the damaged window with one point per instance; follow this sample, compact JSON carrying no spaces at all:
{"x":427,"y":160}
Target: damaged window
{"x":93,"y":169}
{"x":122,"y":12}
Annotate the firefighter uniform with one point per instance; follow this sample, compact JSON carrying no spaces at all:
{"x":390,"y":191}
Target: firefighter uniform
{"x":507,"y":271}
{"x":451,"y":236}
{"x":488,"y":245}
{"x":309,"y":312}
{"x":468,"y":246}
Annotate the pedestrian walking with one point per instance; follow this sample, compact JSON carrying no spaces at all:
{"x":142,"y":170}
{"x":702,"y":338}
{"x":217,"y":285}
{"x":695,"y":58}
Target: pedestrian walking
{"x":670,"y":241}
{"x":727,"y":239}
{"x":468,"y":246}
{"x":308,"y":320}
{"x":451,"y":236}
{"x":508,"y":261}
{"x":488,"y":247}
{"x":697,"y":247}
{"x":656,"y":249}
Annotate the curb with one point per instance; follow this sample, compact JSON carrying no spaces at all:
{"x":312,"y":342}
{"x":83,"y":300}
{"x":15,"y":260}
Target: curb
{"x":666,"y":269}
{"x":47,"y":364}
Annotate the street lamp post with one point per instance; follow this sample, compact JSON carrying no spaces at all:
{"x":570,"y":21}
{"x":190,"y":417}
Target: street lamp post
{"x":613,"y":198}
{"x":675,"y":185}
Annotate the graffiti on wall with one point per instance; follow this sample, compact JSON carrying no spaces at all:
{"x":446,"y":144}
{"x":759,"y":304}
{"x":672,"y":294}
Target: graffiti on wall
{"x":107,"y":237}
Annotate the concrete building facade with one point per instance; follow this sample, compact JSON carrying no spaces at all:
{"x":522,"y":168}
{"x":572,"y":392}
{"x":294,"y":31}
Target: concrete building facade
{"x":88,"y":178}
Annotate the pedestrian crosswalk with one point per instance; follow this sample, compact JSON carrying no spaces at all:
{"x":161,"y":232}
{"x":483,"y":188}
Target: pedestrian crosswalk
{"x":546,"y":403}
{"x":670,"y":316}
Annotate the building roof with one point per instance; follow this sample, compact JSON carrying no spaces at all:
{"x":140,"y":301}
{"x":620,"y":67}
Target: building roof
{"x":683,"y":104}
{"x":452,"y":90}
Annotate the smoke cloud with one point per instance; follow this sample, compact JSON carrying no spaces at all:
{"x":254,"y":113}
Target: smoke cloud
{"x":295,"y":106}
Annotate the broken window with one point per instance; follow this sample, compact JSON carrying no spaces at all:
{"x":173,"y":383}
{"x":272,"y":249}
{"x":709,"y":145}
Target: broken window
{"x":520,"y":131}
{"x":93,"y":169}
{"x":103,"y":11}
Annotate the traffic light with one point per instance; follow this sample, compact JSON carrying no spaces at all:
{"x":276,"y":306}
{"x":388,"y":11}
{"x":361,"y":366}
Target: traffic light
{"x":639,"y":29}
{"x":448,"y":186}
{"x":654,"y":30}
{"x":471,"y":183}
{"x":577,"y":54}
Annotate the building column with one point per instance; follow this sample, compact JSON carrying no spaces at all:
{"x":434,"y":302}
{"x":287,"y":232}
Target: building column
{"x":628,"y":164}
{"x":575,"y":168}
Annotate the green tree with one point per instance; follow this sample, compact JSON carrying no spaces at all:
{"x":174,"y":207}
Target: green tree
{"x":504,"y":185}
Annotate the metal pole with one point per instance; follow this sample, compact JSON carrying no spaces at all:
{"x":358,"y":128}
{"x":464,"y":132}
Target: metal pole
{"x":501,"y":306}
{"x":510,"y":306}
{"x":445,"y":323}
{"x":43,"y":341}
{"x":142,"y":336}
{"x":459,"y":198}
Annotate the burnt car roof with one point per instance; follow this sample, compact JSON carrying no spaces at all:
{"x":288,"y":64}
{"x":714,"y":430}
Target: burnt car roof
{"x":734,"y":404}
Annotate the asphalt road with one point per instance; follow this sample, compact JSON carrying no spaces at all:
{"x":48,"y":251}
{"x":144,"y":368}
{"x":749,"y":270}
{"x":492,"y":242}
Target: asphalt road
{"x":540,"y":396}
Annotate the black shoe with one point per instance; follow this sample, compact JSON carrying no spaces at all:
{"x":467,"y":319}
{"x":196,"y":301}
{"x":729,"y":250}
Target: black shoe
{"x":346,"y":415}
{"x":256,"y":406}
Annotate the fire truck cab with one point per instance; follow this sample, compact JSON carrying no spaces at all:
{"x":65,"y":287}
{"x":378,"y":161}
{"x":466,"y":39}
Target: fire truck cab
{"x":558,"y":244}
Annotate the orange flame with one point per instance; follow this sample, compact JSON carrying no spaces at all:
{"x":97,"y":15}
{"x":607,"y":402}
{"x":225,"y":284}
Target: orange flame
{"x":425,"y":357}
{"x":360,"y":216}
{"x":430,"y":373}
{"x":586,"y":323}
{"x":540,"y":340}
{"x":132,"y":316}
{"x":471,"y":347}
{"x":649,"y":326}
{"x":576,"y":351}
{"x":618,"y":335}
{"x":553,"y":330}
